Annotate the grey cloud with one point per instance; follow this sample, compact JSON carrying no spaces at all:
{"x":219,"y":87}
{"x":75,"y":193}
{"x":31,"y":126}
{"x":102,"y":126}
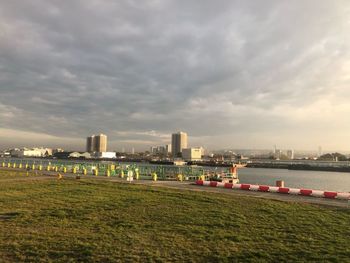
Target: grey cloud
{"x":212,"y":68}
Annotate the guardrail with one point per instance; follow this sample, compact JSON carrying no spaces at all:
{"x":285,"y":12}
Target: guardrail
{"x":276,"y":189}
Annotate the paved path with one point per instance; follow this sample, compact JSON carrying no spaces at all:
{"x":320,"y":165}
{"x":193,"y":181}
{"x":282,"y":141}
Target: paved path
{"x":44,"y":175}
{"x":263,"y":195}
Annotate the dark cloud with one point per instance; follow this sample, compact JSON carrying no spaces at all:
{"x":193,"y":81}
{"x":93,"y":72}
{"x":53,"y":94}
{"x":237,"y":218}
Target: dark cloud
{"x":230,"y":73}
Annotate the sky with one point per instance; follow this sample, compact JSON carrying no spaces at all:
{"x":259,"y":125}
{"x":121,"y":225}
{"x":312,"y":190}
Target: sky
{"x":232,"y":74}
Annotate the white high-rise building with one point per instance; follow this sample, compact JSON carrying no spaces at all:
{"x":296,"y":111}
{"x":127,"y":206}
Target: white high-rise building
{"x":178,"y":142}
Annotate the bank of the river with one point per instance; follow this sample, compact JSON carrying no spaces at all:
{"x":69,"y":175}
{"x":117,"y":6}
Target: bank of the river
{"x":313,"y":166}
{"x":322,"y":180}
{"x":94,"y":220}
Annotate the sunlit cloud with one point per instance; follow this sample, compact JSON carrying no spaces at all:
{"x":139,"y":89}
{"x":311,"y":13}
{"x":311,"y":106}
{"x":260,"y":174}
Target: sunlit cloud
{"x":232,"y":74}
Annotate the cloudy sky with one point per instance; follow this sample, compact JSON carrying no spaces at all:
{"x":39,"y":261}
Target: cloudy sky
{"x":233,"y":74}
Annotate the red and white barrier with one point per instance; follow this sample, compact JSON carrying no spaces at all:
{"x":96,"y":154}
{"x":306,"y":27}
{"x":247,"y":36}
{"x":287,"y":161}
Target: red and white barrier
{"x":276,"y":189}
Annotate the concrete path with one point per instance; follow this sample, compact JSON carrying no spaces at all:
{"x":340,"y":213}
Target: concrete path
{"x":190,"y":186}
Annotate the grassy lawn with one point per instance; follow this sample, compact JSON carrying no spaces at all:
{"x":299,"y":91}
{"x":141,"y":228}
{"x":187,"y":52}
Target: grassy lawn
{"x":93,"y":220}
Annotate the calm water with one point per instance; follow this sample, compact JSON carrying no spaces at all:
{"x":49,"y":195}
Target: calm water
{"x":331,"y":181}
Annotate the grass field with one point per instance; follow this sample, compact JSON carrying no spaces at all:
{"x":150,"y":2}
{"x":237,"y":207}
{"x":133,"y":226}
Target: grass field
{"x":93,"y":220}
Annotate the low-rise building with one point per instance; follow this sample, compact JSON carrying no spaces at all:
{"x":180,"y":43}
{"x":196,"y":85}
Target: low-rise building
{"x":192,"y":154}
{"x":80,"y":155}
{"x":31,"y":152}
{"x":102,"y":155}
{"x":57,"y":150}
{"x":68,"y":155}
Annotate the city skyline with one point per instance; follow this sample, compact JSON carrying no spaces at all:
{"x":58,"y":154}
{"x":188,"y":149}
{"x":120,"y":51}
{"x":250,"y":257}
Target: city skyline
{"x":231,"y":74}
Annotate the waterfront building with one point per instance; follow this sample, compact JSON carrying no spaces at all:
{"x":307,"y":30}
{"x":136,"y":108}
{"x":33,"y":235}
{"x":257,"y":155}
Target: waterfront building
{"x":192,"y":154}
{"x":79,"y":155}
{"x":57,"y":150}
{"x":96,"y":143}
{"x":72,"y":155}
{"x":31,"y":152}
{"x":101,"y":143}
{"x":90,"y":142}
{"x":178,"y":142}
{"x":104,"y":155}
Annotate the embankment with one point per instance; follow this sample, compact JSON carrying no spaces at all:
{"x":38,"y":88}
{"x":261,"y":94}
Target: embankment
{"x":306,"y":167}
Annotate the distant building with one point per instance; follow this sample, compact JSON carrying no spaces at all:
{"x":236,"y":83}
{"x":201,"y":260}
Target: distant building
{"x":158,"y":150}
{"x":290,"y":154}
{"x":277,"y":154}
{"x":31,"y":152}
{"x":58,"y":150}
{"x":44,"y":151}
{"x":90,"y":142}
{"x":168,"y":148}
{"x":202,"y":150}
{"x":104,"y":155}
{"x":74,"y":155}
{"x":153,"y":149}
{"x":192,"y":154}
{"x":96,"y":143}
{"x":101,"y":143}
{"x":25,"y":152}
{"x":80,"y":155}
{"x":178,"y":142}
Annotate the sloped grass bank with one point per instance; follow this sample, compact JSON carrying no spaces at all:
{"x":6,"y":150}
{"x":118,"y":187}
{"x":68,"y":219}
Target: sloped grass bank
{"x":93,"y":220}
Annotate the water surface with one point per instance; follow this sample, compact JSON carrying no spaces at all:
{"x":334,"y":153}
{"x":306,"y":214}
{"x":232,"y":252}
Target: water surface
{"x":332,"y":181}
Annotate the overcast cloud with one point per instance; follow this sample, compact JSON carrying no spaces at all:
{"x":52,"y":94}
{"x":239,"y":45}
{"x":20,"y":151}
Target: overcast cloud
{"x":233,"y":74}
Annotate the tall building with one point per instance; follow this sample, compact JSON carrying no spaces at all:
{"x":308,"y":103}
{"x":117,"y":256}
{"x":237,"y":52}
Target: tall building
{"x":178,"y":142}
{"x":100,"y":143}
{"x":90,"y":143}
{"x":168,"y":148}
{"x":290,"y":154}
{"x":96,"y":143}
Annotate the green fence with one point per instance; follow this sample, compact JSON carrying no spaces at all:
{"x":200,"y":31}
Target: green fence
{"x":143,"y":170}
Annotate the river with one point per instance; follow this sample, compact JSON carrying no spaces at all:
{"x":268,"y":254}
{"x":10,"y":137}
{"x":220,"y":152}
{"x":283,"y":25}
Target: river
{"x":331,"y":181}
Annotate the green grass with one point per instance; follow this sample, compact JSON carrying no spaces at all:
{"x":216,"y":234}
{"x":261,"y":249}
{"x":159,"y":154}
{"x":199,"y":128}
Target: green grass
{"x":93,"y":220}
